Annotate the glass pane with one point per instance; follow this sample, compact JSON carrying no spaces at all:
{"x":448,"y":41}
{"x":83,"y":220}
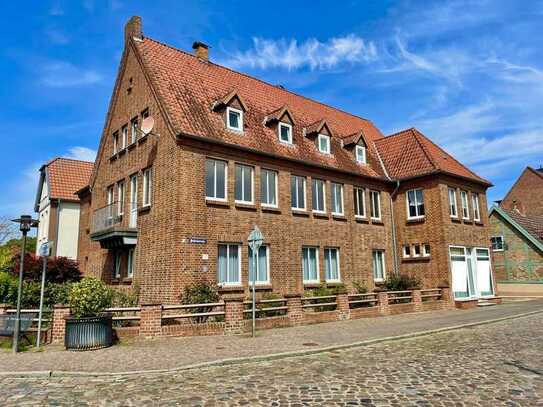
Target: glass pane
{"x":285,"y":133}
{"x":262,"y":270}
{"x":305,"y":264}
{"x":220,"y":179}
{"x":233,"y":264}
{"x":222,"y":264}
{"x":234,"y":119}
{"x":334,"y":264}
{"x":239,"y":183}
{"x":247,"y":187}
{"x":301,"y":197}
{"x":272,"y":198}
{"x":313,"y":275}
{"x":264,"y":187}
{"x":293,"y":190}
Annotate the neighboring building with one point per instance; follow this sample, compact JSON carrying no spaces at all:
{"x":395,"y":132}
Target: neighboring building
{"x":525,"y":194}
{"x":57,"y":204}
{"x":337,"y":201}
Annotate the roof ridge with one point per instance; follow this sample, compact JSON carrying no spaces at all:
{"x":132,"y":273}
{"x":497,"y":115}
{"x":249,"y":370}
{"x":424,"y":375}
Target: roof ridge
{"x":416,"y":134}
{"x":398,"y":133}
{"x":74,"y":159}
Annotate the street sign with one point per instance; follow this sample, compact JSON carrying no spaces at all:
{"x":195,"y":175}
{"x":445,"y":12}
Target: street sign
{"x":256,"y":238}
{"x":45,"y":249}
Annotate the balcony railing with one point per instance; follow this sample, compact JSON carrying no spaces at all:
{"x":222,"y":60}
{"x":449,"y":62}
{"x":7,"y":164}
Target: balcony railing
{"x":110,"y":216}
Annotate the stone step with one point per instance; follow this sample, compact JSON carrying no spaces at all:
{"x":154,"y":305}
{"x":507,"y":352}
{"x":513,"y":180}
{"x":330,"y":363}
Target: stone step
{"x":485,"y":303}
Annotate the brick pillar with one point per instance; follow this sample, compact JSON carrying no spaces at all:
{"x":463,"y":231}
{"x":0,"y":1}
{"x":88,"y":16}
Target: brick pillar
{"x":4,"y":309}
{"x":60,"y":313}
{"x":233,"y":308}
{"x":417,"y":299}
{"x":343,"y":306}
{"x":382,"y":297}
{"x":295,"y":312}
{"x":151,"y":320}
{"x":446,"y":295}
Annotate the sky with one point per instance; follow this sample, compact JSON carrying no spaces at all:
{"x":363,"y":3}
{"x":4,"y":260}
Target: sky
{"x":468,"y":74}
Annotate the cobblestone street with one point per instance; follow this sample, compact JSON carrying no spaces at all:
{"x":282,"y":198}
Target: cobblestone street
{"x":489,"y":365}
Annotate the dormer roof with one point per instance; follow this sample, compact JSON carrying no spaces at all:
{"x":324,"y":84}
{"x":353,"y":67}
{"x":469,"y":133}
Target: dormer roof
{"x":226,"y":100}
{"x":277,"y":115}
{"x":317,"y":127}
{"x":354,"y":138}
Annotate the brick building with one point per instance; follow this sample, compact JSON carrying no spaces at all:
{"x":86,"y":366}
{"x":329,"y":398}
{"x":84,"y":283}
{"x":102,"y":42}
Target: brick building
{"x":336,"y":200}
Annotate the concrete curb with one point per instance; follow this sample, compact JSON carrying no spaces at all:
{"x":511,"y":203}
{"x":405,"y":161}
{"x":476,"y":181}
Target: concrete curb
{"x":259,"y":358}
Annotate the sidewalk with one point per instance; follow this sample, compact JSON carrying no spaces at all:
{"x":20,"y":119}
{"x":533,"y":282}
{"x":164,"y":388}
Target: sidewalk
{"x":170,"y":353}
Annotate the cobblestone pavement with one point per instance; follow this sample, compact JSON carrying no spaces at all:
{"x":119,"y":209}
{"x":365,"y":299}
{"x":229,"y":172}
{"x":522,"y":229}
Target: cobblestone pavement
{"x":491,"y":365}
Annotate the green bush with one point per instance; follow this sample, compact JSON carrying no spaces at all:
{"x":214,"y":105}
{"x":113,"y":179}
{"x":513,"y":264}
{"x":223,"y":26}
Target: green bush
{"x":200,"y":293}
{"x":401,"y":282}
{"x":323,"y":291}
{"x":123,"y":299}
{"x":8,"y":288}
{"x":360,"y":288}
{"x":30,"y":298}
{"x":89,"y":297}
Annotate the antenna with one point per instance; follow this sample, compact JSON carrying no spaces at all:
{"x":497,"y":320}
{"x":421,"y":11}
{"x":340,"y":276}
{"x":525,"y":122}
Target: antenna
{"x":147,"y":125}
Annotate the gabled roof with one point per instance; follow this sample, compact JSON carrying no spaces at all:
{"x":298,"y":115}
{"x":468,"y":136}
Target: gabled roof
{"x":225,"y":100}
{"x":317,"y":127}
{"x":410,"y":154}
{"x":354,"y":138}
{"x":277,"y":114}
{"x":531,"y":227}
{"x":64,"y":176}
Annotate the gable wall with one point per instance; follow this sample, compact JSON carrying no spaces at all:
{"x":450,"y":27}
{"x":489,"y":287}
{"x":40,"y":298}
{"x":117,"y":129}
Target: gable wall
{"x":528,"y":192}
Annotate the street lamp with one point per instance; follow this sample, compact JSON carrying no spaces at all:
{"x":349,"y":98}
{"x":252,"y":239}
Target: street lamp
{"x":25,"y":223}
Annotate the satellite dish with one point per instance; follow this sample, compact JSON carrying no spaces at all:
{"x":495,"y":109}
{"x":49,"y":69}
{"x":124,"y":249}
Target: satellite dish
{"x":147,"y":125}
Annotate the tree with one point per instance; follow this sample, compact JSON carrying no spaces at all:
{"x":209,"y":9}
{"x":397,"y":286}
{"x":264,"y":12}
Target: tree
{"x":8,"y":230}
{"x":59,"y":269}
{"x":11,"y":249}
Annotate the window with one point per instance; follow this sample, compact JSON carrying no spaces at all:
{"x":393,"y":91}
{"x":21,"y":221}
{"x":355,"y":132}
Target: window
{"x":452,"y":203}
{"x":117,"y":271}
{"x":426,"y":250}
{"x":297,"y":192}
{"x":229,"y":264}
{"x":131,"y":263}
{"x":234,"y":119}
{"x":145,"y":114}
{"x":497,"y":243}
{"x":359,"y":205}
{"x":378,"y":265}
{"x":324,"y":143}
{"x":331,"y":265}
{"x":115,"y":142}
{"x":268,"y":187}
{"x":415,"y":204}
{"x":406,"y":250}
{"x":147,"y":186}
{"x":124,"y":136}
{"x":375,"y":199}
{"x":134,"y":130}
{"x":416,"y":250}
{"x":475,"y":205}
{"x":120,"y":197}
{"x":310,"y":264}
{"x":464,"y":201}
{"x":244,"y":184}
{"x":216,"y":177}
{"x":337,"y":199}
{"x":285,"y":133}
{"x":360,"y":154}
{"x":110,"y":195}
{"x":262,"y":269}
{"x":317,"y":195}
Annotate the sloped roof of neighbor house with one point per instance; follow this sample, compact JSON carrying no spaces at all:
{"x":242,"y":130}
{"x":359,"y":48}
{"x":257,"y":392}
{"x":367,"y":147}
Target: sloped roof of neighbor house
{"x":531,"y":227}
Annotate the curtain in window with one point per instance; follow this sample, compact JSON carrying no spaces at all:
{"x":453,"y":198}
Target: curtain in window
{"x":222,"y":265}
{"x":233,"y":264}
{"x":220,"y":179}
{"x":331,"y":264}
{"x":378,"y":269}
{"x":262,"y":260}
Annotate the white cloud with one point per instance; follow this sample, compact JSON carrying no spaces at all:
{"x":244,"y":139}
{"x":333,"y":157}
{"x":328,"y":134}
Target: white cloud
{"x":312,"y":53}
{"x":81,"y":153}
{"x":59,"y":74}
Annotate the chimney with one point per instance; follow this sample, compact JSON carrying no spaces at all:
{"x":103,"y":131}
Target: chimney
{"x":201,"y":50}
{"x":132,"y":29}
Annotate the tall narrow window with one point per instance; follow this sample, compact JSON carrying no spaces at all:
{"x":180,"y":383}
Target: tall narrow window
{"x":117,"y":269}
{"x":147,"y":186}
{"x":120,"y":197}
{"x":324,"y":143}
{"x":133,"y":221}
{"x":229,"y":264}
{"x":124,"y":136}
{"x":359,"y":204}
{"x":360,"y":153}
{"x":131,"y":263}
{"x":110,"y":195}
{"x":285,"y":132}
{"x":416,"y":250}
{"x":297,"y":192}
{"x":375,"y":200}
{"x":244,"y":184}
{"x":115,"y":142}
{"x":234,"y":119}
{"x":337,"y":199}
{"x":268,"y":187}
{"x":452,"y":203}
{"x":216,"y":179}
{"x":426,"y":250}
{"x":475,"y":205}
{"x":378,"y":265}
{"x":465,"y":207}
{"x":415,"y":204}
{"x":317,"y":195}
{"x":110,"y":207}
{"x":134,"y":130}
{"x":310,"y":264}
{"x":262,"y":260}
{"x":331,"y":265}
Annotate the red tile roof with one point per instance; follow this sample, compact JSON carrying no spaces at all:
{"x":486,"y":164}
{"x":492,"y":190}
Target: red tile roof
{"x":532,"y":224}
{"x":66,"y":176}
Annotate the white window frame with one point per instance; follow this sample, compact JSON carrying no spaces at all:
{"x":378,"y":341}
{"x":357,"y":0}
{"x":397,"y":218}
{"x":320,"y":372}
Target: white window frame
{"x":214,"y":198}
{"x":117,"y":265}
{"x":147,"y":187}
{"x":133,"y":130}
{"x":295,"y":208}
{"x":316,"y":263}
{"x":234,"y":110}
{"x":250,"y":258}
{"x":415,"y":254}
{"x":453,"y":203}
{"x":120,"y":197}
{"x":115,"y":137}
{"x":338,"y":254}
{"x":406,"y":253}
{"x":502,"y":243}
{"x":276,"y":186}
{"x":313,"y":182}
{"x":228,"y":246}
{"x":464,"y":204}
{"x":110,"y":195}
{"x":130,"y":263}
{"x":360,"y":154}
{"x":475,"y":206}
{"x":417,"y":203}
{"x":425,"y":251}
{"x":328,"y":142}
{"x":289,"y":127}
{"x":333,"y":197}
{"x":124,"y":136}
{"x":382,"y":262}
{"x":378,"y":204}
{"x":243,"y":166}
{"x":357,"y":202}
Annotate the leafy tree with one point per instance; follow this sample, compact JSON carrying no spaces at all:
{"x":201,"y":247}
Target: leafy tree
{"x":59,"y":269}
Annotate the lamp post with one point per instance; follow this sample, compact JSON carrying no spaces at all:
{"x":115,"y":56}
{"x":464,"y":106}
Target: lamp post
{"x":255,"y":239}
{"x":45,"y":251}
{"x":25,"y":223}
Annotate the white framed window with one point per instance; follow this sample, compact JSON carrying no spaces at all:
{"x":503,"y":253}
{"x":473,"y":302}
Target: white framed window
{"x":465,"y":206}
{"x":229,"y":264}
{"x":378,"y":257}
{"x":310,"y":264}
{"x":416,"y":250}
{"x":216,"y":179}
{"x":110,"y":195}
{"x":117,"y":269}
{"x":426,"y":250}
{"x":375,"y":201}
{"x":133,"y":130}
{"x":147,"y":186}
{"x":497,"y":243}
{"x":360,"y":154}
{"x":475,"y":205}
{"x":297,"y":192}
{"x":337,"y":198}
{"x":359,"y":203}
{"x":263,"y":265}
{"x":331,"y":264}
{"x":120,"y":197}
{"x":124,"y":137}
{"x":268,"y":188}
{"x":234,"y":119}
{"x":323,"y":142}
{"x":318,"y":195}
{"x":453,"y":211}
{"x":244,"y":184}
{"x":406,"y":251}
{"x":131,"y":263}
{"x":285,"y":132}
{"x":415,"y":204}
{"x":115,"y":142}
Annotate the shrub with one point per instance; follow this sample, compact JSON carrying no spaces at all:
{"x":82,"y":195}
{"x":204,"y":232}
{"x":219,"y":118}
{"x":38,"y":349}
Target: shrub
{"x":323,"y":291}
{"x":401,"y":282}
{"x":30,"y":298}
{"x":261,"y":307}
{"x":123,"y":299}
{"x":200,"y":293}
{"x":89,"y":297}
{"x":8,"y":288}
{"x":360,"y":287}
{"x":59,"y":269}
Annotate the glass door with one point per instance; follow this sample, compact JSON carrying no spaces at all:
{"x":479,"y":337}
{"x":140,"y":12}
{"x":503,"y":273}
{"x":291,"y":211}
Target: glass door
{"x":462,"y":272}
{"x":484,"y":274}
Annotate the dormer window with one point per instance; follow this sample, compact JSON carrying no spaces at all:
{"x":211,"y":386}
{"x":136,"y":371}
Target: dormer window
{"x":234,"y":119}
{"x":285,"y":133}
{"x":324,"y":143}
{"x":360,"y":154}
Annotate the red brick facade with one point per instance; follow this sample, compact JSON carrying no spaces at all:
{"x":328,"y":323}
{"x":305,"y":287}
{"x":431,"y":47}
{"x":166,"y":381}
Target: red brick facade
{"x":525,"y":194}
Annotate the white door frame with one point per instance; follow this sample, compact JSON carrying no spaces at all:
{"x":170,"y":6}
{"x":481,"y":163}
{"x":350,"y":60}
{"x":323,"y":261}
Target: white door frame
{"x":470,"y":254}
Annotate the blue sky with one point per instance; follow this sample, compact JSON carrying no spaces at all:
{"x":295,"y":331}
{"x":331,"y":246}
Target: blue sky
{"x":467,"y":74}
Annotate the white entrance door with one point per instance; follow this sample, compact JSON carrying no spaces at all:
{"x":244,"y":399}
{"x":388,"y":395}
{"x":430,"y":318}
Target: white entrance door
{"x":461,"y":273}
{"x":133,"y":201}
{"x":484,"y":275}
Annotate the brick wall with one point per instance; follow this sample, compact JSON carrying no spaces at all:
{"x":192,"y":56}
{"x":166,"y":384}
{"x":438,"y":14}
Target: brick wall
{"x":526,"y":193}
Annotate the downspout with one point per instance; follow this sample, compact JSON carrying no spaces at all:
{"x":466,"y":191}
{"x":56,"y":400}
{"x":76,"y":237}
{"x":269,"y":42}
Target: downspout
{"x":394,"y":244}
{"x":58,"y":227}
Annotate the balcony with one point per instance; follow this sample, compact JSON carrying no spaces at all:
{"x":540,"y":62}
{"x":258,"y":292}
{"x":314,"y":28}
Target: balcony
{"x":114,"y":229}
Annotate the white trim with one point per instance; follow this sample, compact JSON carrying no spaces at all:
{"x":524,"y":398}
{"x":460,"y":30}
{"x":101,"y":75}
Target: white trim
{"x":214,"y":198}
{"x":240,"y":112}
{"x":355,"y":189}
{"x":295,"y":208}
{"x":276,"y":174}
{"x":415,"y":250}
{"x":118,"y":261}
{"x":323,"y":196}
{"x":373,"y":264}
{"x":425,"y":252}
{"x":317,"y":265}
{"x":356,"y":149}
{"x":328,"y":142}
{"x":130,"y":263}
{"x":267,"y":282}
{"x":502,"y":243}
{"x":452,"y":204}
{"x":228,"y":283}
{"x":333,"y":196}
{"x":338,"y":258}
{"x":466,"y":207}
{"x":404,"y":254}
{"x":417,"y":203}
{"x":373,"y":191}
{"x":115,"y":137}
{"x":475,"y":206}
{"x":289,"y":126}
{"x":124,"y":136}
{"x":133,"y":130}
{"x":120,"y":199}
{"x":241,"y":201}
{"x":147,"y":187}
